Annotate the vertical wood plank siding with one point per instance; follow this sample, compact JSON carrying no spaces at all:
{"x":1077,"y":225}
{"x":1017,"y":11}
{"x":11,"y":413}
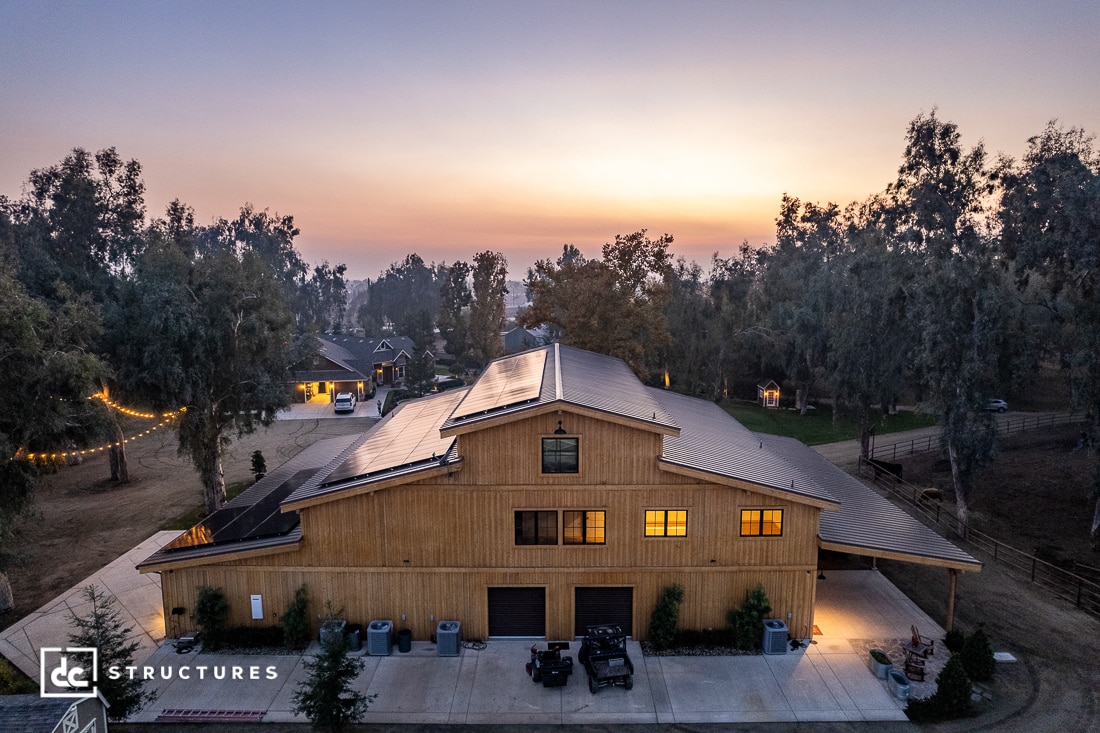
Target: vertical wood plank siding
{"x":435,"y":549}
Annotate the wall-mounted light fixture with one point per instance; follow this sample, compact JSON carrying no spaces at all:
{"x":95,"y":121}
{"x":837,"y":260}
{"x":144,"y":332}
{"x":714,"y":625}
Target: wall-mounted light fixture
{"x":560,"y":430}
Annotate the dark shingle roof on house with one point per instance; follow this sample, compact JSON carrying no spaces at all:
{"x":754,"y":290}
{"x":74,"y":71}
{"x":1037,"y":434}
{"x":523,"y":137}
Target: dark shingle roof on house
{"x":31,"y":713}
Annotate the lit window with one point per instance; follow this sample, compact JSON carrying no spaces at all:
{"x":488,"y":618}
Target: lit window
{"x":666,"y":523}
{"x":560,"y":455}
{"x":761,"y":522}
{"x":583,"y":528}
{"x":536,"y":528}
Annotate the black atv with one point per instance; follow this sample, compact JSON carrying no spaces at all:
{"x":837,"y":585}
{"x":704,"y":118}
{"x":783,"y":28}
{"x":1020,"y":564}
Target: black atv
{"x":549,"y":666}
{"x":603,"y":654}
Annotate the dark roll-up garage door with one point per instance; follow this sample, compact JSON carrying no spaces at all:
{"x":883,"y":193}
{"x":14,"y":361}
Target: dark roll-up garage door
{"x":517,"y":612}
{"x":604,"y":606}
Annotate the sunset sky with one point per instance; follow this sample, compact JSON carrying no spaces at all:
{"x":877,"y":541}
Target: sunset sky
{"x":447,"y":128}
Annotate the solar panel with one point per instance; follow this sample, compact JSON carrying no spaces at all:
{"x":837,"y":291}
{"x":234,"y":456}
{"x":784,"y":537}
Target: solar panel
{"x":505,"y":382}
{"x":410,"y":436}
{"x":261,"y":519}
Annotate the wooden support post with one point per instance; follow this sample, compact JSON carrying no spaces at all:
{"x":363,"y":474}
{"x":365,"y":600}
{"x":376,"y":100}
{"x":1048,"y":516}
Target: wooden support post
{"x":953,"y":574}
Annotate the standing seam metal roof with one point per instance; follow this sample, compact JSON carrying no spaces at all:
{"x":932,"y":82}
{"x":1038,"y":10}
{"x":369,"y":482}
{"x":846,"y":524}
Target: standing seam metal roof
{"x":712,"y":441}
{"x":866,"y":520}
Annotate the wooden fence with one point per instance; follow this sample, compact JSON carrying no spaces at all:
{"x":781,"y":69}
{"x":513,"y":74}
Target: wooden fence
{"x":1005,"y":426}
{"x":1076,"y":586}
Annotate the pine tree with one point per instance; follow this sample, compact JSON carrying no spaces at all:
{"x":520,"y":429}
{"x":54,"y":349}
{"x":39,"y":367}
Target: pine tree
{"x":103,"y":629}
{"x":325,"y":696}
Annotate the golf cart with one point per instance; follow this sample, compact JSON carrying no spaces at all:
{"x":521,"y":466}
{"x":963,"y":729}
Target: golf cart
{"x":603,"y":654}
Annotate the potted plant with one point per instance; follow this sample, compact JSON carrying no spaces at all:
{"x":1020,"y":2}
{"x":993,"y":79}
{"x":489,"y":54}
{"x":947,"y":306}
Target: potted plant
{"x":879,"y":663}
{"x":332,"y":624}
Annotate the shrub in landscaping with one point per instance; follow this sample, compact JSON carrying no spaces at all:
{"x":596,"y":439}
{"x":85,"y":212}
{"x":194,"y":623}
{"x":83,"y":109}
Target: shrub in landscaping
{"x":977,"y":656}
{"x":952,"y":697}
{"x":254,"y":637}
{"x":954,"y":641}
{"x":662,"y":623}
{"x":212,"y":614}
{"x":748,"y":621}
{"x":296,"y":620}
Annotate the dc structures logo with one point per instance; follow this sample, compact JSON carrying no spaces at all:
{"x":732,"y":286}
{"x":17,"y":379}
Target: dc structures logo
{"x":68,"y":671}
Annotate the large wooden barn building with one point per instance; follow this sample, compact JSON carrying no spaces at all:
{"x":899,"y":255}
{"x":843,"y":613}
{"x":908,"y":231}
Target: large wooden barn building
{"x":555,"y":492}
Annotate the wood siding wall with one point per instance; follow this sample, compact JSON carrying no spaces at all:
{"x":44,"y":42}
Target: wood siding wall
{"x":433,"y":549}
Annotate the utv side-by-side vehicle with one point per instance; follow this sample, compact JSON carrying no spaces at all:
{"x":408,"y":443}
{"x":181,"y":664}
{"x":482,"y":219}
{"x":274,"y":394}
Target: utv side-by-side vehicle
{"x":603,"y":654}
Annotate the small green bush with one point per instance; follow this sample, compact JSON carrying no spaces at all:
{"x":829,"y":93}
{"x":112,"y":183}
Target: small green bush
{"x":296,"y":620}
{"x":13,"y":681}
{"x":212,"y":614}
{"x":977,"y":656}
{"x":662,"y":623}
{"x":952,"y":697}
{"x":954,"y":641}
{"x":254,"y":637}
{"x":748,"y":621}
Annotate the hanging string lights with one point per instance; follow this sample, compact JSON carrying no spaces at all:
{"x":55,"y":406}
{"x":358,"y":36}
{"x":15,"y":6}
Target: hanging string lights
{"x":165,"y":418}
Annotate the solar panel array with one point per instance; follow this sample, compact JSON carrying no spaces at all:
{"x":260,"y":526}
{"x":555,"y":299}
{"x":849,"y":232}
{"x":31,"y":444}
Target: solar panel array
{"x":505,"y":382}
{"x":410,"y":436}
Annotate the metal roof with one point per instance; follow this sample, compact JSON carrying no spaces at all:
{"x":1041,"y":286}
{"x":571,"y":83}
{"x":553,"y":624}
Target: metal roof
{"x":568,"y":375}
{"x":867,"y":523}
{"x":713,"y":442}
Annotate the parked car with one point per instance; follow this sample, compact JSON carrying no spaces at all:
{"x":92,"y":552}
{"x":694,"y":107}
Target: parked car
{"x":996,"y":405}
{"x":345,"y":402}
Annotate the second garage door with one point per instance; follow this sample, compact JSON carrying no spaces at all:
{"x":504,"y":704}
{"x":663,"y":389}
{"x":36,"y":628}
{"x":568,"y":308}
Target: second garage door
{"x":604,"y":606}
{"x":517,"y":612}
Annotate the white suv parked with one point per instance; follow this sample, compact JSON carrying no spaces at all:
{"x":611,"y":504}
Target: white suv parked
{"x":345,"y":402}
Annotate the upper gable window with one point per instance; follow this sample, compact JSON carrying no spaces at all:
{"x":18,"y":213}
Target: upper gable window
{"x":761,"y":522}
{"x":560,"y":455}
{"x":383,"y":346}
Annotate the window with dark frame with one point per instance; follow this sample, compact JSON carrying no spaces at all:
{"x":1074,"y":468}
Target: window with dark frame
{"x":666,"y":523}
{"x":536,"y":528}
{"x":583,"y":528}
{"x":761,"y":522}
{"x":561,"y":455}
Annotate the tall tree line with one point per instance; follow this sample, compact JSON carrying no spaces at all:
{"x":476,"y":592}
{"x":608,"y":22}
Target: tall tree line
{"x":159,"y":313}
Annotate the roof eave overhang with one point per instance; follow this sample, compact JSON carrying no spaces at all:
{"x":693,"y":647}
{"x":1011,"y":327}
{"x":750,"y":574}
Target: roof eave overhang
{"x":962,"y":565}
{"x":230,"y":554}
{"x":717,"y":478}
{"x":370,"y":484}
{"x":473,"y":424}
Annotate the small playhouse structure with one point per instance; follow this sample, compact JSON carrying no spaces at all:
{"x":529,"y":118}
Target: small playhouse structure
{"x":767,"y":393}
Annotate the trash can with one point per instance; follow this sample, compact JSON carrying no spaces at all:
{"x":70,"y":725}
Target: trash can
{"x":355,"y":638}
{"x":404,"y":640}
{"x":899,"y":684}
{"x":448,"y":638}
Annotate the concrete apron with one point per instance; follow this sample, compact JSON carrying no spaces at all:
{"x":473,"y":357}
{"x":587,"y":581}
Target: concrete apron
{"x":826,"y":680}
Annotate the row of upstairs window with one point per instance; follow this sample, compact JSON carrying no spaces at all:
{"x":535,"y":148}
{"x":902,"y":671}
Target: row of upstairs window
{"x":587,"y":527}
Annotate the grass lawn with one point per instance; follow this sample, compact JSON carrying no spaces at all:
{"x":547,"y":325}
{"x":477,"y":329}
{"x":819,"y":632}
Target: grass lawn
{"x":817,"y":426}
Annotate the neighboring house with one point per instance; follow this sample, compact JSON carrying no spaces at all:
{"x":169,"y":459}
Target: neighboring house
{"x":522,"y":339}
{"x":353,"y":364}
{"x":767,"y":394}
{"x":35,"y":714}
{"x":555,"y":492}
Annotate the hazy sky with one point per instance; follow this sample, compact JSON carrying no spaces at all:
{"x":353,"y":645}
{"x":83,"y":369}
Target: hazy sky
{"x":448,"y":128}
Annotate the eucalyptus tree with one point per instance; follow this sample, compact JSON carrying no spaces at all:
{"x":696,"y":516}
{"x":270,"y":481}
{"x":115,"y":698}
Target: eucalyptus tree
{"x":405,"y":287}
{"x":1050,"y":217}
{"x":795,"y":284}
{"x":490,"y":277}
{"x":211,"y":333}
{"x":615,"y":305}
{"x":690,"y":359}
{"x":454,"y":309}
{"x":740,"y":338}
{"x":871,"y":338}
{"x":940,"y":207}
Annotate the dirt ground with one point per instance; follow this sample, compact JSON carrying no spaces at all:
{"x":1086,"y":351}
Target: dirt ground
{"x":1032,"y":494}
{"x":82,"y":521}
